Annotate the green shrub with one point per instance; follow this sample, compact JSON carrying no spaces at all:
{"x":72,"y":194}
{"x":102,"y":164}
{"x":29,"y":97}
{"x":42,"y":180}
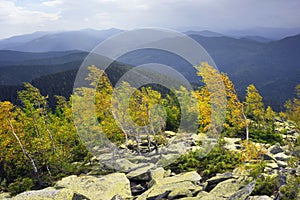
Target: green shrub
{"x":265,"y":136}
{"x":266,"y":185}
{"x":20,"y":185}
{"x":218,"y":160}
{"x":291,"y":190}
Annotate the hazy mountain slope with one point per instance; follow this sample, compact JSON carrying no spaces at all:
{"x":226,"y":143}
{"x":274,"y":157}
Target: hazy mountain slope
{"x":84,"y":40}
{"x":273,"y":67}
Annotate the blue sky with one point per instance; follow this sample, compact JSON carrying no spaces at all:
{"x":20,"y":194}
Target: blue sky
{"x":26,"y":16}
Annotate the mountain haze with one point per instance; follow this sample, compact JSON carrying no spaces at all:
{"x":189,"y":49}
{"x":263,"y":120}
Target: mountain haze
{"x":273,"y":66}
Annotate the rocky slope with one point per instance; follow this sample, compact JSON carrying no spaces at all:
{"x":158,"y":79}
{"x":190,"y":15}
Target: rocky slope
{"x":145,"y":176}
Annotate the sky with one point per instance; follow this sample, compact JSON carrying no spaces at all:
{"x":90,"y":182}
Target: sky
{"x":26,"y":16}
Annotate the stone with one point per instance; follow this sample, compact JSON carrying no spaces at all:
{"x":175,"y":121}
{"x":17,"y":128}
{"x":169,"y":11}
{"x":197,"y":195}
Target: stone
{"x":167,"y":159}
{"x":137,"y":189}
{"x":202,"y":194}
{"x":281,"y":157}
{"x":181,"y":185}
{"x":264,"y":197}
{"x":179,"y":193}
{"x":268,"y":156}
{"x":272,"y":165}
{"x":188,"y":176}
{"x":4,"y":195}
{"x":105,"y":187}
{"x":124,"y":165}
{"x":141,"y":173}
{"x":157,"y":175}
{"x":244,"y":192}
{"x":183,"y":188}
{"x":275,"y":149}
{"x":224,"y":190}
{"x":170,"y":133}
{"x":178,"y":148}
{"x":47,"y":194}
{"x":212,"y":182}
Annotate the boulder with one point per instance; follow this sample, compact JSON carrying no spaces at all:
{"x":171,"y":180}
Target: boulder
{"x":4,"y":195}
{"x":180,"y":189}
{"x":141,"y":173}
{"x":124,"y":165}
{"x":264,"y":197}
{"x":272,"y":165}
{"x":105,"y":187}
{"x":281,"y":156}
{"x":225,"y":190}
{"x":275,"y":149}
{"x":282,"y":163}
{"x":188,"y":176}
{"x":49,"y":194}
{"x":157,"y":175}
{"x":212,"y":182}
{"x":178,"y":186}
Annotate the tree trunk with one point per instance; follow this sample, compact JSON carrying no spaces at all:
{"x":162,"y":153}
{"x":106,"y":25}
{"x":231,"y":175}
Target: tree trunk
{"x":24,"y":150}
{"x":246,"y":124}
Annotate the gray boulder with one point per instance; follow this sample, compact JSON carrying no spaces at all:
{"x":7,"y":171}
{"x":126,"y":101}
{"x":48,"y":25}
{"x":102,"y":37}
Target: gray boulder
{"x":92,"y":187}
{"x":49,"y":194}
{"x":275,"y":149}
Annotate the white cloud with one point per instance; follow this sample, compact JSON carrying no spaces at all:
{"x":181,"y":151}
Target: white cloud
{"x":53,"y":3}
{"x":211,"y":14}
{"x":15,"y":15}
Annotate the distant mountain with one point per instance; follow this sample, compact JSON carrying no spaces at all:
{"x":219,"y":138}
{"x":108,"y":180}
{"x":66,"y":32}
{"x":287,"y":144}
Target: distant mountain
{"x":274,"y":67}
{"x":267,"y":32}
{"x":21,"y":39}
{"x":84,"y":40}
{"x":204,"y":33}
{"x":257,"y":39}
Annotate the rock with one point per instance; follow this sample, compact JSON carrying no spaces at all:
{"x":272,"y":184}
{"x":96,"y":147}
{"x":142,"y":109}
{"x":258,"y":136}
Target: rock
{"x":170,"y":133}
{"x":189,"y":176}
{"x":178,"y":148}
{"x":281,"y":157}
{"x":264,"y":197}
{"x":224,"y":190}
{"x":167,"y":159}
{"x":137,"y":189}
{"x":179,"y":193}
{"x":202,"y":194}
{"x":275,"y":149}
{"x":244,"y":192}
{"x":156,"y":176}
{"x":198,"y":137}
{"x":268,"y":156}
{"x":92,"y":187}
{"x":282,"y":163}
{"x":124,"y":165}
{"x":181,"y":188}
{"x":4,"y":195}
{"x":272,"y":165}
{"x":212,"y":182}
{"x":141,"y":173}
{"x":232,"y":143}
{"x":181,"y":185}
{"x":47,"y":194}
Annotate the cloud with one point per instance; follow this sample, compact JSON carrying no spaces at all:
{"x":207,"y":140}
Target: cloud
{"x":53,"y":3}
{"x":16,"y":15}
{"x":100,"y":14}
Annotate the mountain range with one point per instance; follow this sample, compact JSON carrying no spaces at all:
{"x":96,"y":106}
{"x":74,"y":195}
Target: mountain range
{"x":44,"y":57}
